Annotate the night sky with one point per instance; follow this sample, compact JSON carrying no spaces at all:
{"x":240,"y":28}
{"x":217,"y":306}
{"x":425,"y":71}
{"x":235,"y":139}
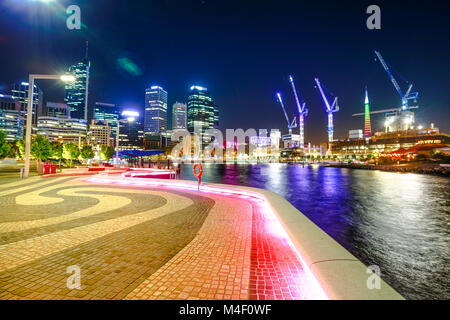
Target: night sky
{"x":242,"y":51}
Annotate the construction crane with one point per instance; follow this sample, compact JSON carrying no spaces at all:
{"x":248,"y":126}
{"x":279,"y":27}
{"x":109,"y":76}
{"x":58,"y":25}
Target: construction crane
{"x":292,"y":124}
{"x":404,"y":97}
{"x":330,"y":110}
{"x":302,"y":113}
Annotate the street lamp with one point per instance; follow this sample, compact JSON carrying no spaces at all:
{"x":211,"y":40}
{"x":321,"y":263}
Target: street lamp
{"x":31,"y":78}
{"x":131,"y":116}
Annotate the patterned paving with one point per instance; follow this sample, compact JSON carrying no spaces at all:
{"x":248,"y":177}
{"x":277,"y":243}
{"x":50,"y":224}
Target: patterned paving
{"x":140,"y":242}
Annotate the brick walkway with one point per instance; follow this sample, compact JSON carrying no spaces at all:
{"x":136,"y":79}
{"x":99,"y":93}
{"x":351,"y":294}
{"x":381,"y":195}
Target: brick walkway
{"x":140,"y":242}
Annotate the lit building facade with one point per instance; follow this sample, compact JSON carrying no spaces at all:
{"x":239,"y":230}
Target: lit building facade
{"x":155,"y":115}
{"x":11,"y":122}
{"x":63,"y":130}
{"x":201,"y":111}
{"x":131,"y":134}
{"x":387,"y":142}
{"x":179,"y":116}
{"x":107,"y":112}
{"x":20,"y":92}
{"x":76,"y":91}
{"x":58,"y":110}
{"x":11,"y":119}
{"x":99,"y":133}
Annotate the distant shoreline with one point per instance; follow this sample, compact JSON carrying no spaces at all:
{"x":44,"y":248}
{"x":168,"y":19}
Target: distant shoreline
{"x":434,"y":169}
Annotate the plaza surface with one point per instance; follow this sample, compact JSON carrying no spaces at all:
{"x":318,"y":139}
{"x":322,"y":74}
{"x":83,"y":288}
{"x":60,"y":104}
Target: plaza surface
{"x":137,"y":240}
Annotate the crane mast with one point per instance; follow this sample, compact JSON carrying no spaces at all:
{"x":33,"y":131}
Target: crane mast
{"x":302,"y":113}
{"x":330,"y":110}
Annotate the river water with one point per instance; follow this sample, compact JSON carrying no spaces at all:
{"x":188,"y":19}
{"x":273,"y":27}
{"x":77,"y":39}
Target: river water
{"x":400,"y":222}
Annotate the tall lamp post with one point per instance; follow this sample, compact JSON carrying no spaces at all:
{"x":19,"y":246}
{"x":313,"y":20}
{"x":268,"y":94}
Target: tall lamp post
{"x":31,"y":78}
{"x":131,"y":116}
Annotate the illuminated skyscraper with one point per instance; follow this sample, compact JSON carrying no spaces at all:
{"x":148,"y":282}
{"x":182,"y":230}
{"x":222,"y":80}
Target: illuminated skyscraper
{"x":179,"y":116}
{"x":20,"y":92}
{"x":155,"y":115}
{"x":201,"y":111}
{"x":367,"y":126}
{"x":76,"y":95}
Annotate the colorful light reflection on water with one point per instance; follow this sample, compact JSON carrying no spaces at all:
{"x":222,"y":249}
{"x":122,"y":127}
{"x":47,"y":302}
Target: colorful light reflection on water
{"x":399,"y":222}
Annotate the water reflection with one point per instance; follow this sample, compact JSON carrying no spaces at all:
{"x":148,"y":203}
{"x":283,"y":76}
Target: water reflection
{"x":399,"y":222}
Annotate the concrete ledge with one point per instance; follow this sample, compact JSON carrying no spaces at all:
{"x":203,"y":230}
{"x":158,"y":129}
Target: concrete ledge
{"x":341,"y":275}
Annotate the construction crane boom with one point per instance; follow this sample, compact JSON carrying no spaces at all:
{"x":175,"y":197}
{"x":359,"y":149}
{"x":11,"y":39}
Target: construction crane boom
{"x":385,"y":66}
{"x":384,"y":111}
{"x":404,"y":97}
{"x":294,"y":122}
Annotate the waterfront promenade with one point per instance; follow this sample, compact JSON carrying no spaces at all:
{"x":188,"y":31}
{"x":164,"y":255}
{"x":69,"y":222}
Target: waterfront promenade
{"x":157,"y":239}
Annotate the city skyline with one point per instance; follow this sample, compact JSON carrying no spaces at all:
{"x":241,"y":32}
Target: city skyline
{"x":244,"y":84}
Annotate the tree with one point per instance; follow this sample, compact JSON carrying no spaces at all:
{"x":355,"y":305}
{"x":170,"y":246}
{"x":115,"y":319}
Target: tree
{"x":70,"y":152}
{"x":5,"y":147}
{"x":107,"y":152}
{"x":41,"y":148}
{"x":21,"y":147}
{"x":57,"y":152}
{"x":87,"y":152}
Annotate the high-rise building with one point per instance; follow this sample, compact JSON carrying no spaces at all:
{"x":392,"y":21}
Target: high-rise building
{"x":76,"y":95}
{"x":200,"y":111}
{"x":20,"y":92}
{"x":11,"y":120}
{"x":107,"y":112}
{"x":131,"y":134}
{"x":58,"y":110}
{"x":63,"y":130}
{"x":155,"y":115}
{"x":179,"y":116}
{"x":216,"y":117}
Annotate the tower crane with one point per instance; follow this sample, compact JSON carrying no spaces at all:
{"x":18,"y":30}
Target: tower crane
{"x":330,"y":110}
{"x":404,"y":97}
{"x":302,"y":113}
{"x":292,"y":124}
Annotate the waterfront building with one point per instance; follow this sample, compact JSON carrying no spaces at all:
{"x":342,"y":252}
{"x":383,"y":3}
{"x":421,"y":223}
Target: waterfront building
{"x":63,"y":130}
{"x":355,"y":134}
{"x":99,"y":133}
{"x":20,"y":92}
{"x":387,"y":142}
{"x":58,"y":110}
{"x":201,"y":111}
{"x":179,"y":116}
{"x":77,"y":92}
{"x":157,"y":141}
{"x":155,"y":115}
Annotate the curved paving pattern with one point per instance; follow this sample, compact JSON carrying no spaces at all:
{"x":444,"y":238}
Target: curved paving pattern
{"x":140,"y":242}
